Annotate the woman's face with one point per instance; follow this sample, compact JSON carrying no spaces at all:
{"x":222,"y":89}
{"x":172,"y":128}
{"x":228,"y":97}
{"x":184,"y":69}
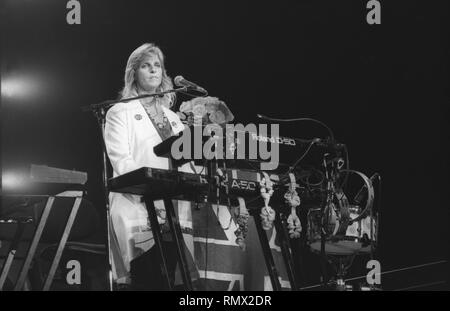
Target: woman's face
{"x":149,"y":74}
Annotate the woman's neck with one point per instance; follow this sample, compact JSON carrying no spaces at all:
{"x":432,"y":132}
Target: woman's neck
{"x":141,"y":91}
{"x":147,"y":101}
{"x":150,"y":102}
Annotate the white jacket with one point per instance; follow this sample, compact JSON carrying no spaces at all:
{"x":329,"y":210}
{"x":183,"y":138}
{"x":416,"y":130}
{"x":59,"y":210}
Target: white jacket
{"x":130,"y":137}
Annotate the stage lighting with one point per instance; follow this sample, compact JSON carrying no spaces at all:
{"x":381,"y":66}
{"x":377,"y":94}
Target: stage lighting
{"x":14,"y":181}
{"x":20,"y":86}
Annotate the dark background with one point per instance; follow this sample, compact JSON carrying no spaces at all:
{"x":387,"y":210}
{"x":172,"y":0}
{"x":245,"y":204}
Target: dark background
{"x":383,"y":89}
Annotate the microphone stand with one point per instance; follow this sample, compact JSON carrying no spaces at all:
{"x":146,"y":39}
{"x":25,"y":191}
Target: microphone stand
{"x":99,"y":110}
{"x":326,"y":205}
{"x":100,"y":115}
{"x":108,"y":103}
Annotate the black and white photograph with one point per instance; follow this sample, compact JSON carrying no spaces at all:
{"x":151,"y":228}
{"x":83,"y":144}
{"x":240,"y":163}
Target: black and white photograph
{"x":225,"y":146}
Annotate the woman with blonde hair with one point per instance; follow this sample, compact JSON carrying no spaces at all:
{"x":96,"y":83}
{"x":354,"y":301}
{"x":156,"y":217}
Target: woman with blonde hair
{"x":132,"y":129}
{"x":131,"y":88}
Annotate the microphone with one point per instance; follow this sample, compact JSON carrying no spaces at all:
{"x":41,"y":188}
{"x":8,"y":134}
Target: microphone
{"x":180,"y":81}
{"x":360,"y":196}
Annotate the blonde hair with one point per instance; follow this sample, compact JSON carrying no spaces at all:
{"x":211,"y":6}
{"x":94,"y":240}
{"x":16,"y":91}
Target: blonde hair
{"x":134,"y":61}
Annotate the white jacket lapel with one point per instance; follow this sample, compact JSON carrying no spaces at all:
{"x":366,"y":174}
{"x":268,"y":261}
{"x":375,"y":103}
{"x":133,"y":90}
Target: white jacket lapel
{"x":175,"y":122}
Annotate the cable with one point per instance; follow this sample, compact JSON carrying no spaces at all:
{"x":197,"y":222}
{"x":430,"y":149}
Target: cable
{"x":313,"y":286}
{"x":401,"y":269}
{"x":144,"y":241}
{"x":316,"y":184}
{"x":421,"y":285}
{"x":301,"y":158}
{"x":298,"y":119}
{"x":313,"y":172}
{"x":391,"y":271}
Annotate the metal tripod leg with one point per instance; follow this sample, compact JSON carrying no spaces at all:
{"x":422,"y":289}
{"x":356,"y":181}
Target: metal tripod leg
{"x":158,"y":238}
{"x":286,"y":251}
{"x":174,"y":225}
{"x":34,"y":244}
{"x":62,"y":243}
{"x":11,"y":253}
{"x":323,"y":259}
{"x":272,"y":270}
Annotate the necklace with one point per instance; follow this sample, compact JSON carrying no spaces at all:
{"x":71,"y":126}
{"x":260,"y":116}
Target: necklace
{"x":159,"y":117}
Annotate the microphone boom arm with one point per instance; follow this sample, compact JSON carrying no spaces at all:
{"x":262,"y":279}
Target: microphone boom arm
{"x":108,"y":103}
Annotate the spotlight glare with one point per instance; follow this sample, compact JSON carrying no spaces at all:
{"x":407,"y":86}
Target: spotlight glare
{"x":11,"y":87}
{"x":13,"y":181}
{"x":20,"y":86}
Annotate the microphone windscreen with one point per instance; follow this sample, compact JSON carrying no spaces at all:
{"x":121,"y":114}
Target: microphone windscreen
{"x":178,"y":80}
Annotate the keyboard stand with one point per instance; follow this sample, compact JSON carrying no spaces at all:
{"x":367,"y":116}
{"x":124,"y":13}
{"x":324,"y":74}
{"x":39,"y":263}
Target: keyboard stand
{"x":280,"y":226}
{"x":177,"y":236}
{"x":35,"y":242}
{"x":267,"y":252}
{"x":13,"y":247}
